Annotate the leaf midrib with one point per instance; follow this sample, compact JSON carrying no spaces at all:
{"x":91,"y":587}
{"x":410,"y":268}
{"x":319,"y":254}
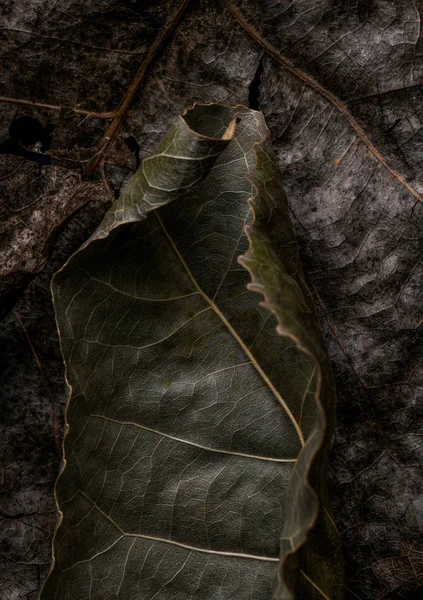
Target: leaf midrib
{"x":240,"y":341}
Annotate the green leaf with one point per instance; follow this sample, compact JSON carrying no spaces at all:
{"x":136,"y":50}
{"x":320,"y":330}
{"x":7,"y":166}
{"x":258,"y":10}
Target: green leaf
{"x":200,"y":410}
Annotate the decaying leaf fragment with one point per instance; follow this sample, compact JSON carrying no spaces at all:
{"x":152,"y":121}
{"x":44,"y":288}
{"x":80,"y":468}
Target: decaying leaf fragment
{"x":200,"y":410}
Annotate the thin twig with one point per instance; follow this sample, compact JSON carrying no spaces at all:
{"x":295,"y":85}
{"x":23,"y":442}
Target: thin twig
{"x":120,"y":114}
{"x":56,"y":432}
{"x":78,"y":111}
{"x":317,"y":87}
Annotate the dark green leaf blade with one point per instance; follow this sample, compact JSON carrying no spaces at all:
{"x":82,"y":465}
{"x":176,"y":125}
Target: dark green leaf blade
{"x":199,"y":418}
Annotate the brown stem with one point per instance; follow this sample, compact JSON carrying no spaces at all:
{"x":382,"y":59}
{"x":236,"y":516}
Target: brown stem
{"x":309,"y":81}
{"x":78,"y":111}
{"x":120,"y":114}
{"x":56,"y":432}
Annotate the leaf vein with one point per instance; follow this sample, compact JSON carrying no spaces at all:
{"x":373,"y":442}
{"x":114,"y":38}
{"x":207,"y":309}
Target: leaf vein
{"x":188,"y":442}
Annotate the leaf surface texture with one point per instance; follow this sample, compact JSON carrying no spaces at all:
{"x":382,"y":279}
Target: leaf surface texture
{"x":202,"y":399}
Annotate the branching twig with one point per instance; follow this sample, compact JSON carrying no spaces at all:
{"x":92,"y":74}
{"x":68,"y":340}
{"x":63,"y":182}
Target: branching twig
{"x":120,"y":114}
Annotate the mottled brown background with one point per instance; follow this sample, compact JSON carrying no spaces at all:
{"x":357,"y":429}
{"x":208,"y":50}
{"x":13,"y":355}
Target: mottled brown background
{"x":347,"y":130}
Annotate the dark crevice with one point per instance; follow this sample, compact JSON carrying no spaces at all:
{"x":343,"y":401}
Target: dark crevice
{"x":134,"y":147}
{"x":28,"y":139}
{"x":392,"y":127}
{"x":28,"y":131}
{"x":254,"y":89}
{"x":24,"y":134}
